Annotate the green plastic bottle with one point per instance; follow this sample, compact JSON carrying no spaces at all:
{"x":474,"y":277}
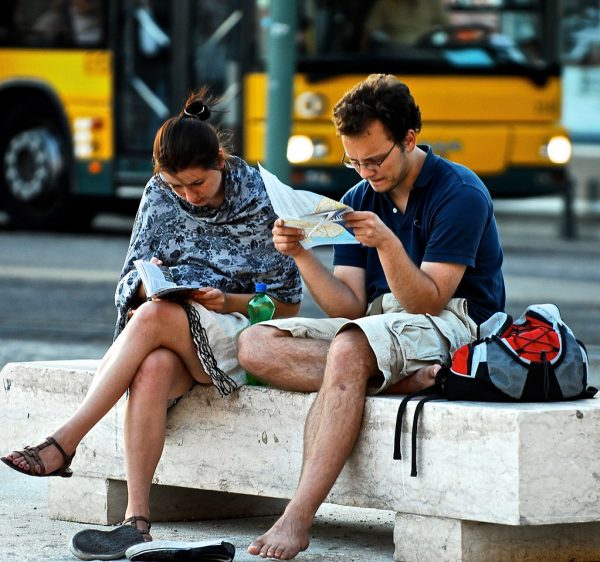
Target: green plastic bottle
{"x":260,"y":308}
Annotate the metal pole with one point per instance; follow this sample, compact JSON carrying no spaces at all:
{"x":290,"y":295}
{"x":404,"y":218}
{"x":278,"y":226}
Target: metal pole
{"x":569,"y":222}
{"x":281,"y":65}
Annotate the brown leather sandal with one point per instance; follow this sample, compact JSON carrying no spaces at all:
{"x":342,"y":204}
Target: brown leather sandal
{"x":31,"y":455}
{"x":133,"y":522}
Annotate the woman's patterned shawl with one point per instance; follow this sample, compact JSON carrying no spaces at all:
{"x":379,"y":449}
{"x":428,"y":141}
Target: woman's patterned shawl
{"x":229,"y":248}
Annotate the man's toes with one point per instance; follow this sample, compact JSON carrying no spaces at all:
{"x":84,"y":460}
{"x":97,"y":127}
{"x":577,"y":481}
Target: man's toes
{"x":255,"y":547}
{"x":264,"y":551}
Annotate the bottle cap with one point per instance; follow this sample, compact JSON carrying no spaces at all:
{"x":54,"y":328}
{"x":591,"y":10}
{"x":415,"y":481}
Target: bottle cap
{"x":260,"y":287}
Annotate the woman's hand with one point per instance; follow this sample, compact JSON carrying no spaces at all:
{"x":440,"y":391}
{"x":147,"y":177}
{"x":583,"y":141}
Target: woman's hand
{"x":287,"y":239}
{"x":210,"y":298}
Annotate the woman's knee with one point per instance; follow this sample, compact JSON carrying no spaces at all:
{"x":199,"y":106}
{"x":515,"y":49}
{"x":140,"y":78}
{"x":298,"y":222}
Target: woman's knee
{"x":155,"y":373}
{"x":157,"y":314}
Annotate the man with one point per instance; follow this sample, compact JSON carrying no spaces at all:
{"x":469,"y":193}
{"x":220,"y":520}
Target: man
{"x":429,"y":260}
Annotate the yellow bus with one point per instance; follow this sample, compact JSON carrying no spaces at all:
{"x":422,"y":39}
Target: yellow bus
{"x":84,"y":85}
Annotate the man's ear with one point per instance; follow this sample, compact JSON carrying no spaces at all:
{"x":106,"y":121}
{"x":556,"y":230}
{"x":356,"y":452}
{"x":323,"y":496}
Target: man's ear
{"x":410,"y":140}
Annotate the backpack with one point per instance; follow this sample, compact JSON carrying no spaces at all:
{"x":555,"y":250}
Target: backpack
{"x":535,"y":358}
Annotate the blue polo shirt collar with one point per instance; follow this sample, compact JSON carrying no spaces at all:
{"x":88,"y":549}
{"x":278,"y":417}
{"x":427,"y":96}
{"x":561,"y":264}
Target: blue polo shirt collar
{"x":428,"y":168}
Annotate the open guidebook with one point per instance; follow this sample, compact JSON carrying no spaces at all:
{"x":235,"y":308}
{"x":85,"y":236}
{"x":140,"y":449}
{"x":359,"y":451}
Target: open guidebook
{"x":317,"y":215}
{"x":158,"y":281}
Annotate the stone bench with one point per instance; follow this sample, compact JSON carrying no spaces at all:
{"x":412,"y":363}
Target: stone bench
{"x":496,"y":482}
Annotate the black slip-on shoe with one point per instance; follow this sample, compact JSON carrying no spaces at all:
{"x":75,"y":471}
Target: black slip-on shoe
{"x":94,"y":544}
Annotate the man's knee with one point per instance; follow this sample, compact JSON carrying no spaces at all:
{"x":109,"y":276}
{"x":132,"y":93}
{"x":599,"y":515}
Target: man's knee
{"x":253,"y":342}
{"x":350,"y":356}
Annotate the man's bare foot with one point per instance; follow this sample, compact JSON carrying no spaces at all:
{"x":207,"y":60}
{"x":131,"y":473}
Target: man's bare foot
{"x":428,"y":373}
{"x":419,"y":380}
{"x":283,"y":541}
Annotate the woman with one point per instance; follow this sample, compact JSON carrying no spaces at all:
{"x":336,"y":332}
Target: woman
{"x":207,"y":216}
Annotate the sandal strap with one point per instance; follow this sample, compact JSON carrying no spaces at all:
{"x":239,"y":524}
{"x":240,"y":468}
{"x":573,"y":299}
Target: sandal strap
{"x":134,"y":519}
{"x":67,"y":459}
{"x":33,"y":459}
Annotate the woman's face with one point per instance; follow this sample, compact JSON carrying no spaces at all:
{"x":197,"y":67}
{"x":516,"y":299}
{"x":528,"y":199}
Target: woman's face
{"x":201,"y":187}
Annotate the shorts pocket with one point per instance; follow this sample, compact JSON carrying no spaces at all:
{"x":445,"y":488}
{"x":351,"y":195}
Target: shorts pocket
{"x":419,"y":340}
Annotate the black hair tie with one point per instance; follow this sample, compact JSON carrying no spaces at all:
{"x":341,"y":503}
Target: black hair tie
{"x":197,"y":110}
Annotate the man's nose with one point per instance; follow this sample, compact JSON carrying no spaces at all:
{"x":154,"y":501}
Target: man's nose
{"x":366,"y":173}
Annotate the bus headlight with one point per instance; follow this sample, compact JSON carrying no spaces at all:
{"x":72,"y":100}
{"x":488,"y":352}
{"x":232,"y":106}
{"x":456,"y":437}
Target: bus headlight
{"x":302,"y":148}
{"x":310,"y":105}
{"x":558,"y":150}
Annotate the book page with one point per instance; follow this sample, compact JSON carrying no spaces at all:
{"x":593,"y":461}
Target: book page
{"x":158,"y":281}
{"x":317,"y":215}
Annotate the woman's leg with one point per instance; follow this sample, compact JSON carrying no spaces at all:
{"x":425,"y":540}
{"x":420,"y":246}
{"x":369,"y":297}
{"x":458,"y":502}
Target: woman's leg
{"x":155,"y":324}
{"x":161,"y":377}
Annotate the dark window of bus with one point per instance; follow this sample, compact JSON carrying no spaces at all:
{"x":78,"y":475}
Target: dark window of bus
{"x":53,"y":23}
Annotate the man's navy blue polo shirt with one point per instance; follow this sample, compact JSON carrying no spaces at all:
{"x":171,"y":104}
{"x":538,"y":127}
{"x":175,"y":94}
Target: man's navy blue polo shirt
{"x":449,"y":218}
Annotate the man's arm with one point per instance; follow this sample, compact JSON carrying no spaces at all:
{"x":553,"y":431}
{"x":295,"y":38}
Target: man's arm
{"x":338,"y":294}
{"x":419,"y":290}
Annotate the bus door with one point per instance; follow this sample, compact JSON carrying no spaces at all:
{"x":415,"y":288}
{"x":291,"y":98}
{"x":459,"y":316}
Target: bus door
{"x":166,"y":50}
{"x":151,"y":79}
{"x":221,"y":44}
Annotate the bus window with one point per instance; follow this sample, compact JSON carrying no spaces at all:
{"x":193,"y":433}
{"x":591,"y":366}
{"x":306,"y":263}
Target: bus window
{"x":53,"y":23}
{"x":401,"y":23}
{"x":216,"y":45}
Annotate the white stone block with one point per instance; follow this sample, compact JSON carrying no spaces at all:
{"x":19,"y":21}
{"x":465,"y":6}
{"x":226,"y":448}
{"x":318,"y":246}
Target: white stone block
{"x":509,"y":464}
{"x":436,"y":539}
{"x":103,"y":502}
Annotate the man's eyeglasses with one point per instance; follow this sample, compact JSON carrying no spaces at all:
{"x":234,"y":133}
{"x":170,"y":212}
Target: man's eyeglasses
{"x":368,"y":164}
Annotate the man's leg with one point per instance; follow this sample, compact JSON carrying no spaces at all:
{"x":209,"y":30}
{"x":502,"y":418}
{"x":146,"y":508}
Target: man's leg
{"x":162,"y":376}
{"x":331,"y":430}
{"x":154,"y":325}
{"x":282,"y":361}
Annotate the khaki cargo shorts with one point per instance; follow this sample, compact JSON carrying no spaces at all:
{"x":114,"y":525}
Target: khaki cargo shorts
{"x":402,"y":342}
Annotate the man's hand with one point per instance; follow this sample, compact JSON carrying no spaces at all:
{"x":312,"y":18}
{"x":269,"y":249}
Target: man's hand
{"x":368,"y":228}
{"x":287,"y":239}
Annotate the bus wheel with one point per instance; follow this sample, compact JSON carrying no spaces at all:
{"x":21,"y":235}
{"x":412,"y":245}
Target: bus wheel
{"x":34,"y":179}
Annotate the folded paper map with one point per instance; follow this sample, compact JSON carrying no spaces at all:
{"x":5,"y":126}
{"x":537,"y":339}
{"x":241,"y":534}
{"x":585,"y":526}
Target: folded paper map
{"x":318,"y":216}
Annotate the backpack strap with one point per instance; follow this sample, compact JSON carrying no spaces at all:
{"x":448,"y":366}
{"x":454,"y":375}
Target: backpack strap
{"x":433,"y":389}
{"x":413,"y":470}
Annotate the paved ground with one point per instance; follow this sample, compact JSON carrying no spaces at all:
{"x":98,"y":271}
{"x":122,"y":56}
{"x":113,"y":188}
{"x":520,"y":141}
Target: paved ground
{"x":340,"y":534}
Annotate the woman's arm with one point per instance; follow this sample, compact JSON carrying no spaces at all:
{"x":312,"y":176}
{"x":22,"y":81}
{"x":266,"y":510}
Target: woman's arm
{"x":227,"y":303}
